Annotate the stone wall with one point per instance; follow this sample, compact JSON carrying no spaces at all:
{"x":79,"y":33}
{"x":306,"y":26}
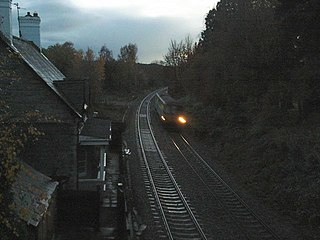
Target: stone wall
{"x":77,"y":91}
{"x":23,"y":90}
{"x":55,"y":153}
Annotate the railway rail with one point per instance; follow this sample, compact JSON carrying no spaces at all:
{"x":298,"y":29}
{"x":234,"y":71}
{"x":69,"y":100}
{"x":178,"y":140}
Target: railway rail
{"x":177,"y":217}
{"x":248,"y":222}
{"x":171,"y":209}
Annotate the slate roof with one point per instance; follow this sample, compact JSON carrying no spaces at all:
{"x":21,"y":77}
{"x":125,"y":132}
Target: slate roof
{"x":37,"y":61}
{"x":32,"y":193}
{"x":42,"y":66}
{"x":96,"y":129}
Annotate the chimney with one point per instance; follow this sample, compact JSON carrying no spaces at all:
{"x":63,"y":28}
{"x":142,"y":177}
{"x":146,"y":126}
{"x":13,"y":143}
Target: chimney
{"x":5,"y":19}
{"x":30,"y":28}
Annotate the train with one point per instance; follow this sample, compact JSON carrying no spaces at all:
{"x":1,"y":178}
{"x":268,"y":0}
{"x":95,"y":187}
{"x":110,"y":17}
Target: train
{"x":170,"y":112}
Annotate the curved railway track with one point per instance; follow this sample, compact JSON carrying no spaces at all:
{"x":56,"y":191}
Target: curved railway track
{"x":248,"y":222}
{"x":177,"y":217}
{"x":169,"y":206}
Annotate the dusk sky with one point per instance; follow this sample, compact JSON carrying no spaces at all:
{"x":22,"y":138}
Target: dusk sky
{"x":93,"y":23}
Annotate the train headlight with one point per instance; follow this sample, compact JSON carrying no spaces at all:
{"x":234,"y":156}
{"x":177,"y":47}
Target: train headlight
{"x":182,"y":120}
{"x":163,"y":118}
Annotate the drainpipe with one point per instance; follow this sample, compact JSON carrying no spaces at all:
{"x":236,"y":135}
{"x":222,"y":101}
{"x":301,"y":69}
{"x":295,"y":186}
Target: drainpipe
{"x":79,"y":128}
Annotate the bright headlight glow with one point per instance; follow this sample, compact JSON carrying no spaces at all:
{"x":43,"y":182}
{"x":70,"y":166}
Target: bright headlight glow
{"x":182,"y":120}
{"x":163,"y":118}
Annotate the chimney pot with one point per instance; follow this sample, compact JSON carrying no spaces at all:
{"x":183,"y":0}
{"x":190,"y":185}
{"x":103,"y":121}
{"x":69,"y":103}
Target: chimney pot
{"x":5,"y":19}
{"x":30,"y":28}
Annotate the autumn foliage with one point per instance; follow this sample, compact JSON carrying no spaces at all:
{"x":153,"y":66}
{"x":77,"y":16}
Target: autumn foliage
{"x":252,"y":86}
{"x":14,"y":133}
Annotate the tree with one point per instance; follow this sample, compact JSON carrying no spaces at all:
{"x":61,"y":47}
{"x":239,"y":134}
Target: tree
{"x":109,"y":67}
{"x":238,"y":50}
{"x":76,"y":71}
{"x":93,"y":69}
{"x":177,"y":57}
{"x":62,"y":56}
{"x":179,"y":53}
{"x":206,"y":35}
{"x":106,"y":54}
{"x":77,"y":64}
{"x":128,"y":53}
{"x":300,"y":24}
{"x":126,"y":67}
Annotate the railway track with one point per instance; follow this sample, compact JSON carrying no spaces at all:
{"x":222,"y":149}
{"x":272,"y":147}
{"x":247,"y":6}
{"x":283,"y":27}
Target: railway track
{"x":245,"y":218}
{"x":169,"y":206}
{"x":168,"y":202}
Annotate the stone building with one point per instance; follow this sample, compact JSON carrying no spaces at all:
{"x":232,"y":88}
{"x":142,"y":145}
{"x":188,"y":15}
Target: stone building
{"x":29,"y":82}
{"x":73,"y":149}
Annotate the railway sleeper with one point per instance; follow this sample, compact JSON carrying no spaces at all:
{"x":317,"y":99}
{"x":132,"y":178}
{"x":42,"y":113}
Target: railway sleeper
{"x":184,"y":236}
{"x":164,"y":184}
{"x":169,"y":194}
{"x":171,"y":201}
{"x":238,"y":209}
{"x":256,"y":225}
{"x":163,"y":181}
{"x":184,"y":229}
{"x":177,"y":204}
{"x":168,"y":197}
{"x":229,"y":197}
{"x":177,"y":211}
{"x":172,"y":208}
{"x":178,"y":238}
{"x":178,"y":220}
{"x":266,"y":235}
{"x":169,"y":191}
{"x":245,"y":214}
{"x":166,"y":189}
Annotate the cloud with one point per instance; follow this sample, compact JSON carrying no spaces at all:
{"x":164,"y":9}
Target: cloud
{"x":115,"y":23}
{"x":151,"y":8}
{"x":152,"y":36}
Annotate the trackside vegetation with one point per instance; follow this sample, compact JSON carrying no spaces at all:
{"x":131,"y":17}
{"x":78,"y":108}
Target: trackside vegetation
{"x":253,"y":86}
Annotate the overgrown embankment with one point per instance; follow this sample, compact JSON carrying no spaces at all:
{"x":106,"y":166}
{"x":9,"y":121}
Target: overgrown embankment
{"x":274,"y":156}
